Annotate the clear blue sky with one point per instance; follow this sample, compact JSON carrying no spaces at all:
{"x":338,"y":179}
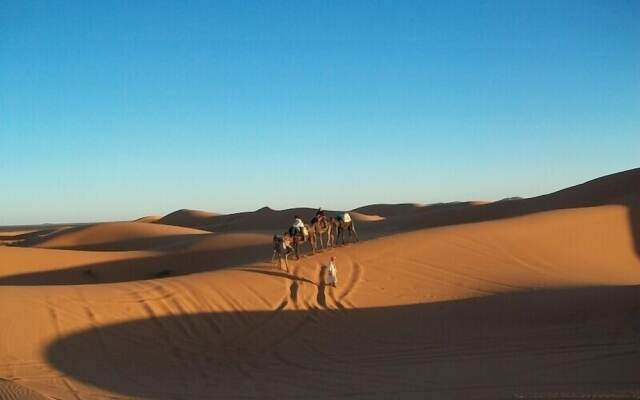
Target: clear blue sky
{"x":119,"y":109}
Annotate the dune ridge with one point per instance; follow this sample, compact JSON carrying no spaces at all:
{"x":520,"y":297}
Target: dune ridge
{"x":526,"y":298}
{"x":148,"y":219}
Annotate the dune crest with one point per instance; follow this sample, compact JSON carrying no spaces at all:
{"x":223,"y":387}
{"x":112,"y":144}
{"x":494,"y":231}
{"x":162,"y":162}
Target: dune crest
{"x":148,"y":219}
{"x":188,"y":218}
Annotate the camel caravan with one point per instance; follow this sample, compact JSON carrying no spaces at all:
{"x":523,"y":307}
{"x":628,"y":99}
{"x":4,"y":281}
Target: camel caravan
{"x":312,"y":233}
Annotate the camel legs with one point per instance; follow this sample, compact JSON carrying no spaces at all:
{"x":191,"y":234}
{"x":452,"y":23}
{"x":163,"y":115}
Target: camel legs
{"x":286,"y":263}
{"x":281,"y":256}
{"x":319,"y":233}
{"x":352,"y":229}
{"x":313,"y":241}
{"x":352,"y":233}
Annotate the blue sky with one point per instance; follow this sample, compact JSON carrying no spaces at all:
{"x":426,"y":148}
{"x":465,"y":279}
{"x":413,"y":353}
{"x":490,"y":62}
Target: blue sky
{"x":118,"y":109}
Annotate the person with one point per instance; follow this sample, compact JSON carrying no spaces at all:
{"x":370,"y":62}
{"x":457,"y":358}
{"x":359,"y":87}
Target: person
{"x":332,"y":276}
{"x":344,"y":217}
{"x":297,"y":227}
{"x":320,"y":213}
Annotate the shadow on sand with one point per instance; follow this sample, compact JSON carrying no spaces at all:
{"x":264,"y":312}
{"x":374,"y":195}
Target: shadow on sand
{"x":566,"y":340}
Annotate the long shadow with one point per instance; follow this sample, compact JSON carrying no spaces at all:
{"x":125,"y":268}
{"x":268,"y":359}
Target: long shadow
{"x":581,"y":341}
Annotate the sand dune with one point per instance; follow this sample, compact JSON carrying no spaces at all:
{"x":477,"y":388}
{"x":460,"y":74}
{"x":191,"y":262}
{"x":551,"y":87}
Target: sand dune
{"x":188,"y":218}
{"x":263,"y":219}
{"x":148,"y":219}
{"x":182,"y":255}
{"x":112,"y":236}
{"x":531,"y":298}
{"x":621,"y":188}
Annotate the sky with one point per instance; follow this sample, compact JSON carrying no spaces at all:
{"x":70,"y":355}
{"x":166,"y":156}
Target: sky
{"x":113,"y":110}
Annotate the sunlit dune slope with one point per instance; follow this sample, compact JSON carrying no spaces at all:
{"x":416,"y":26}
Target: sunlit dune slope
{"x":116,"y":235}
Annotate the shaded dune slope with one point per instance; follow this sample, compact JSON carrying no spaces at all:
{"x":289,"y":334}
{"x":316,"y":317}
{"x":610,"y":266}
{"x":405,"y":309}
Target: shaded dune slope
{"x":188,"y":218}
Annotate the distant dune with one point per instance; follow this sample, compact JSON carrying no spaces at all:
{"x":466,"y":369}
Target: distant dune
{"x":526,"y":298}
{"x":148,"y":219}
{"x":114,"y":235}
{"x":263,"y":219}
{"x":188,"y":218}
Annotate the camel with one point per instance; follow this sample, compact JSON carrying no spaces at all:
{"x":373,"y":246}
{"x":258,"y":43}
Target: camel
{"x":339,"y":226}
{"x":320,"y":226}
{"x":281,"y":249}
{"x":308,"y":236}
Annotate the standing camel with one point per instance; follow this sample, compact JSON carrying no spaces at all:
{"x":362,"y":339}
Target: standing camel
{"x":320,"y":226}
{"x":281,"y":249}
{"x":340,"y":224}
{"x":307,"y":236}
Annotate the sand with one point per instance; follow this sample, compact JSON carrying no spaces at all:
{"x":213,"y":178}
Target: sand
{"x":524,"y":298}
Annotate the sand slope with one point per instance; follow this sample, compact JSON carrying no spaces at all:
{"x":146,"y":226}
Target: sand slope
{"x":115,"y":236}
{"x":13,"y":391}
{"x":536,"y":299}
